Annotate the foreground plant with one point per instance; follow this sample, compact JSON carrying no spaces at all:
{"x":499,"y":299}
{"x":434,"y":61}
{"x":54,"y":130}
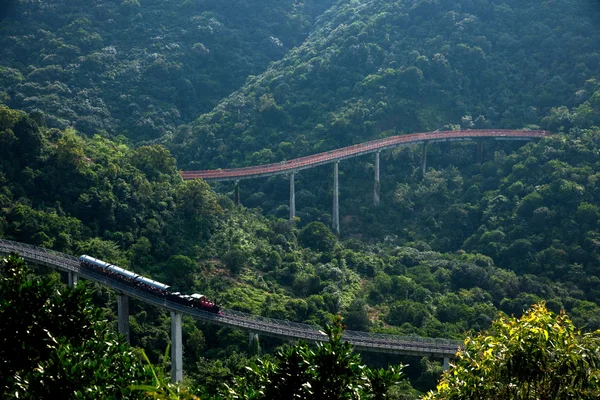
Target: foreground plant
{"x":55,"y":344}
{"x":161,"y":388}
{"x":330,"y":371}
{"x":538,"y":356}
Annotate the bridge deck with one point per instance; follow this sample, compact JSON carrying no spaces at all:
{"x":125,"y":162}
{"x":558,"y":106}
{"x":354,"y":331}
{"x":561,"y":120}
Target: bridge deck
{"x":267,"y":326}
{"x":356,"y":150}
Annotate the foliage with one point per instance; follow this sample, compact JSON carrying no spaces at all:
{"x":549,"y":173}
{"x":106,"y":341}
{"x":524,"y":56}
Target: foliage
{"x":318,"y":237}
{"x":538,"y":356}
{"x":442,"y":253}
{"x":331,"y":371}
{"x":99,"y":197}
{"x":139,"y":68}
{"x":161,"y":388}
{"x":371,"y":69}
{"x":53,"y":344}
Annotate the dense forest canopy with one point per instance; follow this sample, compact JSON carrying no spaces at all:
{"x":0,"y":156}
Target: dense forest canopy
{"x":101,"y":102}
{"x":376,"y":68}
{"x":139,"y":68}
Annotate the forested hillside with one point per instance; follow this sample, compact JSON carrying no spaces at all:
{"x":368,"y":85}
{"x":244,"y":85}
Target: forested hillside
{"x":102,"y":102}
{"x":377,"y":68}
{"x":129,"y":206}
{"x":139,"y":68}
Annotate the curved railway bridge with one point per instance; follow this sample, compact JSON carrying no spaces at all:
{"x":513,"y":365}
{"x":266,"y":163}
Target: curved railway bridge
{"x":292,"y":167}
{"x":414,"y":346}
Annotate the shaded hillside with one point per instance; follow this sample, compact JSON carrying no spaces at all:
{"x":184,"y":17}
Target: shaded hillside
{"x":139,"y":67}
{"x":126,"y":206}
{"x":427,"y":64}
{"x":532,"y":209}
{"x":374,"y":68}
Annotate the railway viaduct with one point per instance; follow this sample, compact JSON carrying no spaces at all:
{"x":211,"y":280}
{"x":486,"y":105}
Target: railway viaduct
{"x":292,"y":167}
{"x":255,"y":325}
{"x":412,"y":346}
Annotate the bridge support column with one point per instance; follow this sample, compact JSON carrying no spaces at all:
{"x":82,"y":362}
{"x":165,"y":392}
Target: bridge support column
{"x":377,"y":188}
{"x":479,"y":151}
{"x":236,"y":192}
{"x":253,"y":343}
{"x":424,"y":157}
{"x":72,"y":278}
{"x":176,"y":348}
{"x":292,"y":197}
{"x":123,"y":309}
{"x":335,"y":223}
{"x":446,"y":363}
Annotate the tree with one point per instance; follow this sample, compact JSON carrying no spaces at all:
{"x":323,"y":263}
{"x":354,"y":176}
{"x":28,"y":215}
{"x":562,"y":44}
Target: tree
{"x":318,"y":237}
{"x":179,"y":272}
{"x":538,"y":356}
{"x":197,"y":208}
{"x":357,"y":315}
{"x":235,"y":259}
{"x":331,"y":371}
{"x":54,"y":344}
{"x":155,"y":161}
{"x":30,"y":139}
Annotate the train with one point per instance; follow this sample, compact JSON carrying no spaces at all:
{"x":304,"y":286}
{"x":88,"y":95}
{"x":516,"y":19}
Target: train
{"x":154,"y":287}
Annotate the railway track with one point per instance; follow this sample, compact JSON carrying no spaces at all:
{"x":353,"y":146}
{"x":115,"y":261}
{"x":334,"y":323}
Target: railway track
{"x":298,"y":164}
{"x":407,"y":345}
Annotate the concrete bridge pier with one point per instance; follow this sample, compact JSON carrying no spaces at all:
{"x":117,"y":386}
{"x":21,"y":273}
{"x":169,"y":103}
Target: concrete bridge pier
{"x":123,"y":310}
{"x":73,"y":278}
{"x":479,"y":151}
{"x":253,"y":343}
{"x":176,"y":348}
{"x":292,"y":197}
{"x":335,"y":223}
{"x":424,"y":157}
{"x":446,"y":363}
{"x":236,"y":192}
{"x":377,"y":188}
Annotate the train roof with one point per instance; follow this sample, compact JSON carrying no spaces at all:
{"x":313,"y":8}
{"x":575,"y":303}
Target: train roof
{"x":153,"y":283}
{"x":124,"y":272}
{"x":93,"y":260}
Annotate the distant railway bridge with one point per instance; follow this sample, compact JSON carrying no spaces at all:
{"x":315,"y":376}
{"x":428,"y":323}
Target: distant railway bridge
{"x":292,"y":167}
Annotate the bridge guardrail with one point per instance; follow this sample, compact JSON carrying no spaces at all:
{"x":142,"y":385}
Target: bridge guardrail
{"x":265,"y":325}
{"x":356,"y":150}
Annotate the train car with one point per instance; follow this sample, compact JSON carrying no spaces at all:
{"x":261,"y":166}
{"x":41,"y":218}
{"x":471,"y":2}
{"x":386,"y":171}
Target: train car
{"x":153,"y":283}
{"x":85,"y":259}
{"x":122,"y":274}
{"x":178,"y":298}
{"x":157,"y":288}
{"x":200,"y":301}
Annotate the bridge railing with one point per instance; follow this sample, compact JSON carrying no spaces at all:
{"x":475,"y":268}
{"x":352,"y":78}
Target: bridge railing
{"x":271,"y":321}
{"x":354,"y":336}
{"x":356,"y":150}
{"x":359,"y":335}
{"x":237,"y":318}
{"x":9,"y":244}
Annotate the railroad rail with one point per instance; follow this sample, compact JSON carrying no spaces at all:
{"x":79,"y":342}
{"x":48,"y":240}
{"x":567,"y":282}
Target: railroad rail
{"x":406,"y":345}
{"x":295,"y":165}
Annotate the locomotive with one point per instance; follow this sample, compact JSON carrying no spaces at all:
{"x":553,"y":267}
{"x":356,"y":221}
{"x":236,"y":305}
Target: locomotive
{"x":154,"y":287}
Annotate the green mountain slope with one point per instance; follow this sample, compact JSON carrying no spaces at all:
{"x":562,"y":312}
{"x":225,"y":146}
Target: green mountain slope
{"x":375,"y":68}
{"x":442,"y":254}
{"x":139,"y":68}
{"x":127,"y":206}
